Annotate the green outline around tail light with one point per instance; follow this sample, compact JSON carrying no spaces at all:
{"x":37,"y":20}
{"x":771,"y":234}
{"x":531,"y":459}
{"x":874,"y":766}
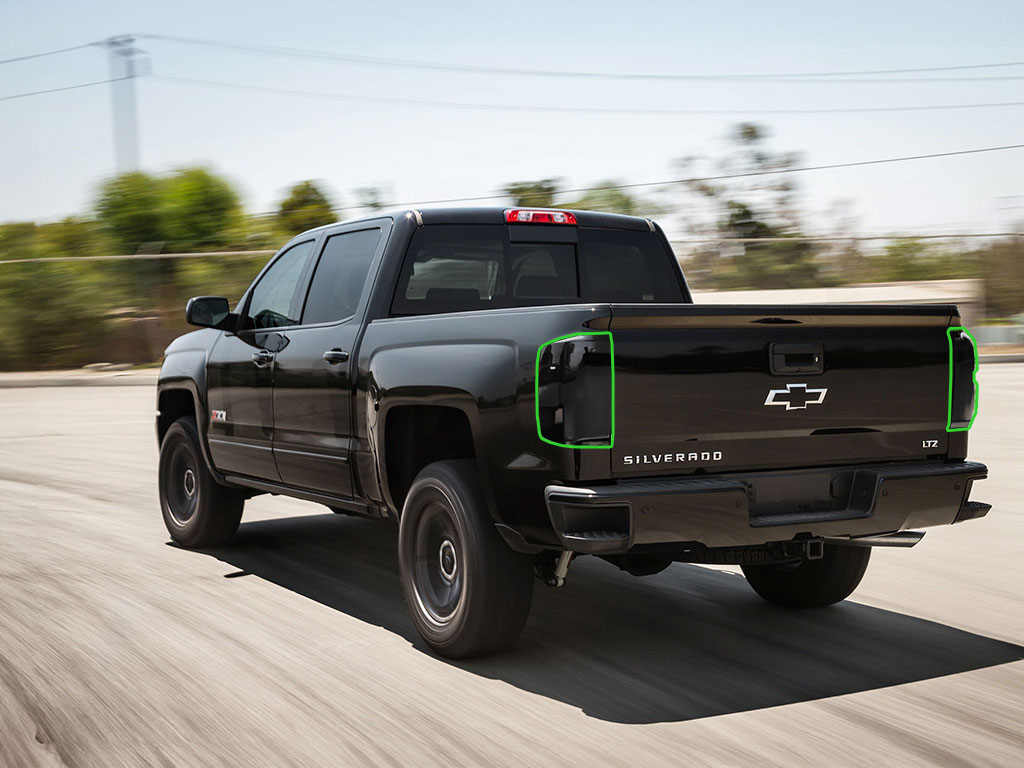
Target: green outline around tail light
{"x":536,"y":388}
{"x":974,"y":380}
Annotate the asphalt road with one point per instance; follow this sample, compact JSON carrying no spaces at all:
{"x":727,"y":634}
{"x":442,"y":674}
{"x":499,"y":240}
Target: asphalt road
{"x":292,"y":645}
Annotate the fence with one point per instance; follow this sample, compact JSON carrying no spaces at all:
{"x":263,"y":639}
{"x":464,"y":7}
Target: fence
{"x":71,"y":311}
{"x":64,"y":313}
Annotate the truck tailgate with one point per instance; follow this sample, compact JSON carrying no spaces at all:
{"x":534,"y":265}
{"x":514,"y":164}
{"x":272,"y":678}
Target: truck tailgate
{"x":722,"y":388}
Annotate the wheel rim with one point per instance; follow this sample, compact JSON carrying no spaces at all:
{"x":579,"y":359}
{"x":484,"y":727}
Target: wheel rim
{"x":181,"y":484}
{"x":438,"y":572}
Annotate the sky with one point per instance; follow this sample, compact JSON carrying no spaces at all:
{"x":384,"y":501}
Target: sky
{"x":56,"y":148}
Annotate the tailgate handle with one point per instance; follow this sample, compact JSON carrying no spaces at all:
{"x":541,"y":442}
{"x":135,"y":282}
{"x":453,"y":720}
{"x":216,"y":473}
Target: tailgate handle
{"x":796,"y":358}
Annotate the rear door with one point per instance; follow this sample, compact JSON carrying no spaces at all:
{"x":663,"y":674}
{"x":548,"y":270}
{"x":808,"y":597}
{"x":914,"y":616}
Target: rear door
{"x":313,"y":373}
{"x":709,"y":389}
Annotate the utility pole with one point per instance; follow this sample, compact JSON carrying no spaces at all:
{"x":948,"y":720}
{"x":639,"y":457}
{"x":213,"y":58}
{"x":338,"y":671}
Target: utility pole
{"x":125,"y":65}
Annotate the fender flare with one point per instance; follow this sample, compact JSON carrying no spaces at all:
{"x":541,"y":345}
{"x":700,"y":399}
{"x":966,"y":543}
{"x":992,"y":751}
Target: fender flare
{"x":455,"y":399}
{"x":468,"y":377}
{"x":182,"y":383}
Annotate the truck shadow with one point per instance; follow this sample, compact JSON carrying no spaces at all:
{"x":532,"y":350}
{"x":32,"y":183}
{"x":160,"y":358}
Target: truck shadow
{"x":688,"y":643}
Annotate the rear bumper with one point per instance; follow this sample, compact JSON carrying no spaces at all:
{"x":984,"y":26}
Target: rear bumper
{"x":756,"y":508}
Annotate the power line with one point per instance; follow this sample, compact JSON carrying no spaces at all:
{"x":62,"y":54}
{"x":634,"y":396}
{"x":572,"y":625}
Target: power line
{"x":495,"y":70}
{"x":720,"y":177}
{"x":836,"y":238}
{"x":58,"y":90}
{"x":568,"y":109}
{"x":47,"y":53}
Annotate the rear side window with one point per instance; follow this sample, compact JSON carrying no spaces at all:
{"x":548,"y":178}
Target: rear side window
{"x":340,"y":276}
{"x":458,"y":268}
{"x":626,"y":268}
{"x":452,"y":269}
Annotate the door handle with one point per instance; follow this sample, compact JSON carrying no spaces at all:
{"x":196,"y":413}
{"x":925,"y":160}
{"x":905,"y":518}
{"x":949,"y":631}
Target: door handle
{"x":335,"y":356}
{"x":797,"y":358}
{"x":262,"y":357}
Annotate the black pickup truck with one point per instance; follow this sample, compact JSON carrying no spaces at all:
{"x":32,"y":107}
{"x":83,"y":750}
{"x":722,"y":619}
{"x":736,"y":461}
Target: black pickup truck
{"x":518,"y":387}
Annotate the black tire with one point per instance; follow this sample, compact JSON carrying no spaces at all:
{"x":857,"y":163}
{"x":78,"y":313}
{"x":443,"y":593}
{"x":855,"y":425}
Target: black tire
{"x":468,"y":593}
{"x":197,"y":510}
{"x":811,"y":583}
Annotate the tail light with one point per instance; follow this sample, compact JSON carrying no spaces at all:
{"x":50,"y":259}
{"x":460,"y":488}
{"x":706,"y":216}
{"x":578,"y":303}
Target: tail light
{"x":525,"y":216}
{"x":575,"y":391}
{"x":963,"y":384}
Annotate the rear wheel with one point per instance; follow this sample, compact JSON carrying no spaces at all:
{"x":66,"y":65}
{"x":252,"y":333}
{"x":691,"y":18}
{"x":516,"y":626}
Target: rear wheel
{"x":197,"y":510}
{"x":469,"y":594}
{"x":811,"y":583}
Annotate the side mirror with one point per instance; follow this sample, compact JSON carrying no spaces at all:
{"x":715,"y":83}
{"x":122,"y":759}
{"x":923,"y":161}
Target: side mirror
{"x":209,"y":312}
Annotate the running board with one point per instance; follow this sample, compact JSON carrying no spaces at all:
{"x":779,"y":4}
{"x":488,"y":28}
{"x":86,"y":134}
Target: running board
{"x":899,"y":539}
{"x":349,"y":505}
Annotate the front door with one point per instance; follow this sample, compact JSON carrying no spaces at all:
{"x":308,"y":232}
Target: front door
{"x":240,"y":370}
{"x":312,"y":374}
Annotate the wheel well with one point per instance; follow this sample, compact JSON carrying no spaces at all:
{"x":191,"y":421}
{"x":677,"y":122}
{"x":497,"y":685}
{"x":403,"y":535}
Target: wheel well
{"x":173,"y":404}
{"x":417,"y":435}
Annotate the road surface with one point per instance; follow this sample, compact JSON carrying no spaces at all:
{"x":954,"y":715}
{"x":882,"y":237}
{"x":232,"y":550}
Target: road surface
{"x":292,"y":645}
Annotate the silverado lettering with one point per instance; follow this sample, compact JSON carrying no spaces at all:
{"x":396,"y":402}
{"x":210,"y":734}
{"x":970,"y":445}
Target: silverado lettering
{"x":668,"y":458}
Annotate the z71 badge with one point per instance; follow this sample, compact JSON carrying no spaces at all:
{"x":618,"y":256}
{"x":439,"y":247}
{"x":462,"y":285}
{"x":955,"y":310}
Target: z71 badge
{"x":218,"y":415}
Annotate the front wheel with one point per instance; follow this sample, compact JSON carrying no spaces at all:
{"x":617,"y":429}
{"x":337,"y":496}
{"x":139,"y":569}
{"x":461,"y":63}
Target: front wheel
{"x":468,"y":593}
{"x":197,"y":510}
{"x":811,"y":583}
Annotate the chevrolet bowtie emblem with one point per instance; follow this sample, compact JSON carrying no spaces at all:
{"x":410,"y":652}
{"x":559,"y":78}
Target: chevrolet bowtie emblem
{"x":796,"y":397}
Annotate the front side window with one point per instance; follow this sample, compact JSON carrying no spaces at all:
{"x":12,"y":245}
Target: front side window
{"x":272,"y":296}
{"x":340,"y":276}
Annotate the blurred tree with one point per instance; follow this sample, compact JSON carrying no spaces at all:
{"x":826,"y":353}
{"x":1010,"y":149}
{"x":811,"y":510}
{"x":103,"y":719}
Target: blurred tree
{"x":254,"y":233}
{"x":608,"y":200}
{"x":901,"y":260}
{"x":58,"y":315}
{"x":18,"y":240}
{"x":910,"y":259}
{"x":72,"y":236}
{"x":788,"y":264}
{"x":371,"y":198}
{"x":842,"y":261}
{"x":758,"y":205}
{"x":305,"y":207}
{"x":537,"y":194}
{"x":606,"y":196}
{"x":191,"y":210}
{"x":130,"y":207}
{"x":1002,"y":267}
{"x":199,"y":209}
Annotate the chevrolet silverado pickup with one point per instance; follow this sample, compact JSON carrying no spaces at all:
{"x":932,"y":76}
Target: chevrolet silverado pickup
{"x":519,"y":387}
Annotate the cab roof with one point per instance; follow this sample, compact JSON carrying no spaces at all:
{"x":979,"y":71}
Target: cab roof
{"x":494,"y":214}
